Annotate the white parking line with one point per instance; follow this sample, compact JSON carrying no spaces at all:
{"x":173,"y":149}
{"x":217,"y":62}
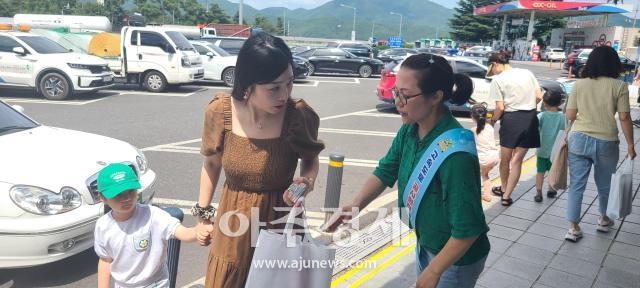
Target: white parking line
{"x":357,"y":132}
{"x":315,"y":84}
{"x":55,"y":102}
{"x":380,"y":115}
{"x":347,"y":114}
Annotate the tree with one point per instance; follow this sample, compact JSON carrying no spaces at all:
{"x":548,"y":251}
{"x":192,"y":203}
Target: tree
{"x":264,"y":23}
{"x":467,"y":27}
{"x":280,"y":26}
{"x":8,"y":8}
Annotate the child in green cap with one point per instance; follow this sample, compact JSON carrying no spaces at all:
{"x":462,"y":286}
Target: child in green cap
{"x":131,"y":239}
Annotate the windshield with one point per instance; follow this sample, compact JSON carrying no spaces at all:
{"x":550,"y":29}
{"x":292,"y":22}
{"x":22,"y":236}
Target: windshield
{"x":218,"y":50}
{"x":11,"y":121}
{"x":181,"y":42}
{"x":43,"y":45}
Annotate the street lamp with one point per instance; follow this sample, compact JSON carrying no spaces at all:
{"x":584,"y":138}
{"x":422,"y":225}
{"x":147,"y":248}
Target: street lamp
{"x":394,"y":13}
{"x":353,"y":32}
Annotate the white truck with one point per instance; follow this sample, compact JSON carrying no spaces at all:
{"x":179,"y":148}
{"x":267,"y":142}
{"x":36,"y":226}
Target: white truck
{"x":154,"y":57}
{"x":31,"y":61}
{"x":192,"y":32}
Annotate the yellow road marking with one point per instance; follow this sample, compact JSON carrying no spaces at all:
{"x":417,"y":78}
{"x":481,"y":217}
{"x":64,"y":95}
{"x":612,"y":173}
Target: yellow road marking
{"x":527,"y":166}
{"x":384,"y":265}
{"x":375,"y":257}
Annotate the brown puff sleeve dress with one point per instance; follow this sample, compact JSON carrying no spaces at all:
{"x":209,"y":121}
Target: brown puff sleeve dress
{"x":257,"y":172}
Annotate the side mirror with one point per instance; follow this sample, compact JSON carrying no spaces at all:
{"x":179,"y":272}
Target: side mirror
{"x":210,"y":54}
{"x":168,"y":48}
{"x":19,"y":50}
{"x":70,"y":50}
{"x":18,"y":108}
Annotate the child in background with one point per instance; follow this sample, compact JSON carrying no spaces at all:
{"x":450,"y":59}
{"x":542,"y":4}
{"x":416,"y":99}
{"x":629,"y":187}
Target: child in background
{"x":486,"y":145}
{"x":131,"y":240}
{"x":551,"y":121}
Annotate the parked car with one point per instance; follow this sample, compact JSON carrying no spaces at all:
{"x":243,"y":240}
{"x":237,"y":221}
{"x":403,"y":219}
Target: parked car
{"x":48,"y":189}
{"x":392,"y":54}
{"x":218,"y":64}
{"x":230,"y":44}
{"x":433,"y":50}
{"x":476,"y":71}
{"x":358,"y":49}
{"x":300,"y":67}
{"x":35,"y":62}
{"x":335,"y":60}
{"x":578,"y":59}
{"x":478,"y":51}
{"x":552,"y":54}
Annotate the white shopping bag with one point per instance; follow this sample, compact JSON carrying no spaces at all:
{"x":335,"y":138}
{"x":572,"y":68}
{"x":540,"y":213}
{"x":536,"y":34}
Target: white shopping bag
{"x":287,"y":261}
{"x":560,"y":139}
{"x":621,"y":193}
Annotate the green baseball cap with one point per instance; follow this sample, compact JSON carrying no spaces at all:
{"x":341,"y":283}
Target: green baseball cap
{"x":115,"y":179}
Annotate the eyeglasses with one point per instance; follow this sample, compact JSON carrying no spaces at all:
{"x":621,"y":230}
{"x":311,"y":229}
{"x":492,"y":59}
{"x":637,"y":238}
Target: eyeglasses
{"x":404,"y":99}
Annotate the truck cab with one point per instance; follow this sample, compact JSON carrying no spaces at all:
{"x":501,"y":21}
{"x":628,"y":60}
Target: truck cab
{"x":31,"y":61}
{"x":157,"y":57}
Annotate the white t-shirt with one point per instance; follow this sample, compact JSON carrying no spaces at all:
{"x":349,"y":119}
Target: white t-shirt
{"x":516,"y":88}
{"x":137,"y":246}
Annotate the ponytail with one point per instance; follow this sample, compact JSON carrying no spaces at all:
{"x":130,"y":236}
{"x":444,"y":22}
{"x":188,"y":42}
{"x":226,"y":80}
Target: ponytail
{"x":462,"y":89}
{"x":479,"y":113}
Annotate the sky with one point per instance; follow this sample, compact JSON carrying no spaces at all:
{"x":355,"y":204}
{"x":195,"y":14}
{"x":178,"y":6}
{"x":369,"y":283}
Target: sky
{"x":310,"y":4}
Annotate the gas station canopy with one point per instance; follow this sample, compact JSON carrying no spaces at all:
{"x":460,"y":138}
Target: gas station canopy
{"x":548,"y":8}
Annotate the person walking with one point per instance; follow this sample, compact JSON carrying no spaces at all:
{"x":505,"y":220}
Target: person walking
{"x":517,"y":93}
{"x":593,"y":140}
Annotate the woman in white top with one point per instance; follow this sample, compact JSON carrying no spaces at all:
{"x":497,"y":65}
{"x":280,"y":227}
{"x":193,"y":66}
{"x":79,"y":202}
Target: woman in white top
{"x":486,"y":145}
{"x":517,"y":94}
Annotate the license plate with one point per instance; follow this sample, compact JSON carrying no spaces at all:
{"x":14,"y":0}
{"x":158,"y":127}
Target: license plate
{"x":107,"y":78}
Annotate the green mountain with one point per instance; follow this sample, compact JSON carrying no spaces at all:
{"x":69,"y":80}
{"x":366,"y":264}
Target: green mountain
{"x":421,"y":18}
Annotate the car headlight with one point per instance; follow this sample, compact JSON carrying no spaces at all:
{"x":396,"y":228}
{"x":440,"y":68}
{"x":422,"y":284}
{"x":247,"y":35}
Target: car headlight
{"x":78,"y":66}
{"x":41,"y":201}
{"x":141,"y":162}
{"x":185,"y":61}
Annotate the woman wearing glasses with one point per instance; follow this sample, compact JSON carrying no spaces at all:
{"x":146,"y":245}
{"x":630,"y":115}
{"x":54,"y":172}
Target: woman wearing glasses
{"x":443,"y":208}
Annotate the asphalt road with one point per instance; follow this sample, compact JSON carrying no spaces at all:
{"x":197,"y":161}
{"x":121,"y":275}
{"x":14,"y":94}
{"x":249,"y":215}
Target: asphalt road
{"x":168,"y":127}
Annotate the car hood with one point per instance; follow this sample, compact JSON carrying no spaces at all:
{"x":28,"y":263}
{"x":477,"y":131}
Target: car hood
{"x":52,"y":158}
{"x":78,"y":58}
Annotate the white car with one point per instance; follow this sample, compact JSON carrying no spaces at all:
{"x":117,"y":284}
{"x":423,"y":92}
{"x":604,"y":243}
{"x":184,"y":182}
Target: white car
{"x":553,"y":54}
{"x":218,"y":64}
{"x":48,"y":192}
{"x":32,"y":61}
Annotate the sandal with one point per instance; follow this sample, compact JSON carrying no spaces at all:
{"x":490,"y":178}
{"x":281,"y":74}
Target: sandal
{"x":497,"y":191}
{"x":551,"y":193}
{"x":538,"y":197}
{"x":507,"y":202}
{"x":604,"y":226}
{"x":573,"y":235}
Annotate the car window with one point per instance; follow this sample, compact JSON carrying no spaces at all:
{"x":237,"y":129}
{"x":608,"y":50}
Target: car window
{"x":134,"y":38}
{"x":231,"y":44}
{"x":12,"y":121}
{"x":332,"y":44}
{"x":201,"y":50}
{"x":353,"y":46}
{"x":470,"y":69}
{"x":7,"y":44}
{"x":152,"y":39}
{"x":218,"y":50}
{"x":43,"y":45}
{"x":181,"y":42}
{"x":323,"y":52}
{"x":306,"y":54}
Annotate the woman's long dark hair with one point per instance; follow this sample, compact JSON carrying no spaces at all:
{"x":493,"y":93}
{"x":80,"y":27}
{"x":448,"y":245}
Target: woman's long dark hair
{"x":435,"y":74}
{"x":479,"y":113}
{"x":603,"y":61}
{"x":262,"y":59}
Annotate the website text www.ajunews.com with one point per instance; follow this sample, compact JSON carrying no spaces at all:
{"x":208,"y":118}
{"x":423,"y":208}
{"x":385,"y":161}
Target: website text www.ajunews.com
{"x":300,"y":264}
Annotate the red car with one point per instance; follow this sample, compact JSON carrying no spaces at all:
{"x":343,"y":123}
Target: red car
{"x":387,"y":81}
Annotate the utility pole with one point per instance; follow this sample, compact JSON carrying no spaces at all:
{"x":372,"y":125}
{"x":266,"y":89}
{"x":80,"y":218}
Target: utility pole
{"x":240,"y":12}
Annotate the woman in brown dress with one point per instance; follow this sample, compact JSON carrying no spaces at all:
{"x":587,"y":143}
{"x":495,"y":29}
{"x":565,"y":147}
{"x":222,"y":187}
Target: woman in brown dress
{"x":257,"y":135}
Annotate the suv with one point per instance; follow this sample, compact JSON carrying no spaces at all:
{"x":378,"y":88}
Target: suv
{"x":358,"y":49}
{"x":230,"y":44}
{"x":33,"y":61}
